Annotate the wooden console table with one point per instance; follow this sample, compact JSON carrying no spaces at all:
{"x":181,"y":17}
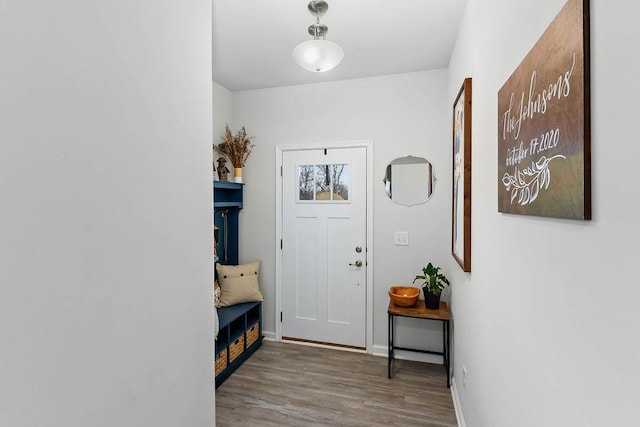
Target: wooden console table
{"x":419,"y":311}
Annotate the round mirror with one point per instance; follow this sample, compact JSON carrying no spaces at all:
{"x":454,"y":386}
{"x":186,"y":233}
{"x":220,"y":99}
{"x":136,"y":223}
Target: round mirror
{"x":409,"y":180}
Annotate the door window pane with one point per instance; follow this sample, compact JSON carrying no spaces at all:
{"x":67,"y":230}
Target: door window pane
{"x":340,"y":182}
{"x":328,"y":182}
{"x":323,"y":182}
{"x":306,"y":182}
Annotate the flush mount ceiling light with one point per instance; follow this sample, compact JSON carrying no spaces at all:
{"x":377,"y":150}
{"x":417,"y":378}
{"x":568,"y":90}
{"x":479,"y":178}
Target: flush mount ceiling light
{"x":318,"y":55}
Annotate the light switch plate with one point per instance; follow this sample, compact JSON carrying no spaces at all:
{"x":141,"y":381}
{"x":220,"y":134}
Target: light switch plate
{"x":401,"y":238}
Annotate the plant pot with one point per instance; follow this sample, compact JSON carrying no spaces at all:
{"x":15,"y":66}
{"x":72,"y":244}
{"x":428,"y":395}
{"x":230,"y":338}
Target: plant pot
{"x":237,"y":175}
{"x":431,"y":300}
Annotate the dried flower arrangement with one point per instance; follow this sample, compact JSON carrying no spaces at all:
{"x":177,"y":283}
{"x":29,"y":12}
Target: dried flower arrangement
{"x":235,"y":147}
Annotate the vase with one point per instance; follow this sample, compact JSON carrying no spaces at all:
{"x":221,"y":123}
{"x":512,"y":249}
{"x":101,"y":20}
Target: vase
{"x":431,"y":300}
{"x":237,"y":175}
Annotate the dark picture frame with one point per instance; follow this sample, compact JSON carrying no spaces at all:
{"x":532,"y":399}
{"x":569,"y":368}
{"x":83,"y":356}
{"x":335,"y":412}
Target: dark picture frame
{"x":461,"y":178}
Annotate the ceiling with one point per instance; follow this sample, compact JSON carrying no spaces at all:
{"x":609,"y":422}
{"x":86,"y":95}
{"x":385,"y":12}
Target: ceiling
{"x":253,"y":39}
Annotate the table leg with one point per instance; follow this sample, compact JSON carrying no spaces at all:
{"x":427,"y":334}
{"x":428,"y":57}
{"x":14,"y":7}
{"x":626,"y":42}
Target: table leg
{"x":390,"y":348}
{"x":446,"y":349}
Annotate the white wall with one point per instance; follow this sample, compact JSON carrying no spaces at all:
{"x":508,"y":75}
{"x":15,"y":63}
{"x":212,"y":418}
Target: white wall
{"x":222,"y":116}
{"x":222,"y":112}
{"x":105,"y":230}
{"x":546,"y":323}
{"x":403,"y":114}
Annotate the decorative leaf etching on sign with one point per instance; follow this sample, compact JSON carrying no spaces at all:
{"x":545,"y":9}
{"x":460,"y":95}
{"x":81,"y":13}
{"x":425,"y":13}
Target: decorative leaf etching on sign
{"x":526,"y":184}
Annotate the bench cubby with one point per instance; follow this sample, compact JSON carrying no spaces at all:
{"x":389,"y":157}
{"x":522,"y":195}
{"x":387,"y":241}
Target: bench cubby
{"x":239,"y":337}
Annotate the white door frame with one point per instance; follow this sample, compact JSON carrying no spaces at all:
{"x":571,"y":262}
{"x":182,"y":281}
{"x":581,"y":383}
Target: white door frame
{"x":368,"y":145}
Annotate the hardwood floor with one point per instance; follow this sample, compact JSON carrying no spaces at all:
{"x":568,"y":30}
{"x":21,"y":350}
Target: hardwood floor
{"x":293,"y":385}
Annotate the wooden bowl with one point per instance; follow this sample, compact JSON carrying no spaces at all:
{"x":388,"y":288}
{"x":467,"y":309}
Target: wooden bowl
{"x":404,"y":296}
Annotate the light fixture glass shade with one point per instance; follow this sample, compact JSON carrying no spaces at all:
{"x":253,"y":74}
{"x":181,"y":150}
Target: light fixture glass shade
{"x":318,"y":55}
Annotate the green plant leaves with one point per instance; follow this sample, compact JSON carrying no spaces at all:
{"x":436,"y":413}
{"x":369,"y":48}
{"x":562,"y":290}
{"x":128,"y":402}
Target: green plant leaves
{"x":434,"y":279}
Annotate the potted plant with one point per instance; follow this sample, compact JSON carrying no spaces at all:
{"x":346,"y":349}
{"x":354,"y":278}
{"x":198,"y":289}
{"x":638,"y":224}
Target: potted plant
{"x":237,"y":148}
{"x":434,"y":283}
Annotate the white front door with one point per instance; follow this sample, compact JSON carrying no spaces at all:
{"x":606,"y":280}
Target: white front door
{"x":324,"y":245}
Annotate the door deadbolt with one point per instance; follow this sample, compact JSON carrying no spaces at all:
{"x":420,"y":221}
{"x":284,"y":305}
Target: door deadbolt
{"x":358,"y":249}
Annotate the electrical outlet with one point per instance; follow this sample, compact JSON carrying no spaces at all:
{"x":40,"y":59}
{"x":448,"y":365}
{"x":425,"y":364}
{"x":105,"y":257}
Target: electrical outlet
{"x":464,"y":376}
{"x":401,"y":238}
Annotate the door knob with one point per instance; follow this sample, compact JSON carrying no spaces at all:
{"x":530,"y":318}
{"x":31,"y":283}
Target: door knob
{"x":358,"y":263}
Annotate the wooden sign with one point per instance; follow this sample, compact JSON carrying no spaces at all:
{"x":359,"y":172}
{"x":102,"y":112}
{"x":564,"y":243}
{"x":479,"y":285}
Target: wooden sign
{"x":544,"y":153}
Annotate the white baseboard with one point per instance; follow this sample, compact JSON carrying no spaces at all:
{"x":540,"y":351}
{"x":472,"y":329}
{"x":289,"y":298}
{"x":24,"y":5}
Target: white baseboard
{"x":456,"y":404}
{"x":268,"y":335}
{"x":383,"y":351}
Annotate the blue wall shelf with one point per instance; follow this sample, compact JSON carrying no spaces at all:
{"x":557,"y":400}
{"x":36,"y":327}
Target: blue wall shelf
{"x":241,"y":324}
{"x":227,"y":203}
